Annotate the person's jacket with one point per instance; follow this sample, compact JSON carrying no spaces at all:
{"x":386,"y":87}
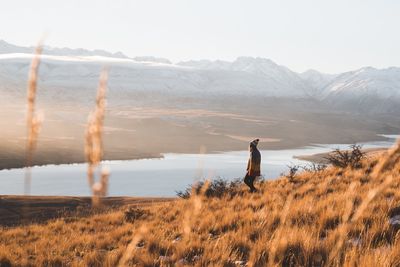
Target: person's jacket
{"x":254,"y":163}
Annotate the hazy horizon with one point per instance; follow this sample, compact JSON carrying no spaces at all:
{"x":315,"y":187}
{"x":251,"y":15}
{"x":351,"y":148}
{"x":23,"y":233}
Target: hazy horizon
{"x":328,"y":37}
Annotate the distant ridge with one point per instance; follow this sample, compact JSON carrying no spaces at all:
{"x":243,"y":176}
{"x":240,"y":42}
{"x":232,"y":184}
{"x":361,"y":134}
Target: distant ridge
{"x":364,"y":90}
{"x":7,"y":48}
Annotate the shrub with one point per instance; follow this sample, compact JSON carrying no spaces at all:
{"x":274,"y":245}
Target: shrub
{"x":293,"y":169}
{"x":215,"y":188}
{"x":314,"y":167}
{"x":347,"y":158}
{"x":131,"y":214}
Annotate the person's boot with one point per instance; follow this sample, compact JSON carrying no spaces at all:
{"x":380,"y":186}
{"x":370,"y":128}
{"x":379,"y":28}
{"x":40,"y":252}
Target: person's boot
{"x":247,"y":181}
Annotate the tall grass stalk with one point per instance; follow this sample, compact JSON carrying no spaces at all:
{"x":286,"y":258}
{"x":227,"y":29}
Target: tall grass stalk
{"x":33,"y":121}
{"x":276,"y":239}
{"x":94,"y":143}
{"x":131,"y":246}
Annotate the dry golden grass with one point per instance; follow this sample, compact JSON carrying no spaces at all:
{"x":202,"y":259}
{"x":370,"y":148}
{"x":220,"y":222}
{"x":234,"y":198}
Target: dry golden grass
{"x":333,"y":217}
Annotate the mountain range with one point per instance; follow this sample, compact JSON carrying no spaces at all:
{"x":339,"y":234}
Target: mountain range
{"x":63,"y":70}
{"x":155,"y":106}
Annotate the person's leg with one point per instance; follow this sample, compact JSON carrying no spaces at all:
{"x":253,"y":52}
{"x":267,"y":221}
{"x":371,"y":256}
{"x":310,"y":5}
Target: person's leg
{"x":252,"y":187}
{"x":247,"y":181}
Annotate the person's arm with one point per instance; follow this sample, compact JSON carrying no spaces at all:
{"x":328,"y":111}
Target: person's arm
{"x":250,"y":164}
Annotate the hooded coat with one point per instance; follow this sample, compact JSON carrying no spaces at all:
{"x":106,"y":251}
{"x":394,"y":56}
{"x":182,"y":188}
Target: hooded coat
{"x":254,"y":163}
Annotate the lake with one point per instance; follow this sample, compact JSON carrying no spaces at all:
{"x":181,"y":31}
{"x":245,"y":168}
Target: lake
{"x":161,"y":177}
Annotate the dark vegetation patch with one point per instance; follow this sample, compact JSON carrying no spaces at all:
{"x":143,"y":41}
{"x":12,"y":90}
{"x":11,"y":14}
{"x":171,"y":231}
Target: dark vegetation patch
{"x":215,"y":188}
{"x":347,"y":158}
{"x":132,"y":214}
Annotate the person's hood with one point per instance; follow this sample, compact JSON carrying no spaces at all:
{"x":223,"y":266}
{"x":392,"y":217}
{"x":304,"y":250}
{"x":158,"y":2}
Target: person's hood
{"x":254,"y":143}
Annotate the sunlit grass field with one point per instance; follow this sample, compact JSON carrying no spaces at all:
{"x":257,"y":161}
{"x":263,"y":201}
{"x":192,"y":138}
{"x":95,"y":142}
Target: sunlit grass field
{"x":329,"y":217}
{"x":348,"y":215}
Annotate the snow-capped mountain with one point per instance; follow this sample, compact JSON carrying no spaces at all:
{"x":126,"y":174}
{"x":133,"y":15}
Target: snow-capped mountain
{"x":71,"y":72}
{"x":245,"y":76}
{"x":279,"y":78}
{"x":257,"y":66}
{"x":366,"y":82}
{"x":206,"y":64}
{"x":153,"y":59}
{"x":366,"y":89}
{"x":317,"y":80}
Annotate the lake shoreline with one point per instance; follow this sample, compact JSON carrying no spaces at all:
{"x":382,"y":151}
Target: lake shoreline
{"x":320,"y":158}
{"x":48,"y":159}
{"x":25,"y":209}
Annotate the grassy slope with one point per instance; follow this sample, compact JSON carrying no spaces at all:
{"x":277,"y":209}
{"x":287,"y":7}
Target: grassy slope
{"x":15,"y":210}
{"x":329,"y":218}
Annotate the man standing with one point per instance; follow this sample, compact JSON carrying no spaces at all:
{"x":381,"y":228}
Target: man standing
{"x":253,"y":166}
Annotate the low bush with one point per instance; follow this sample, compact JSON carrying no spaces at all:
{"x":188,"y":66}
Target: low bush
{"x":347,"y":158}
{"x":214,"y":188}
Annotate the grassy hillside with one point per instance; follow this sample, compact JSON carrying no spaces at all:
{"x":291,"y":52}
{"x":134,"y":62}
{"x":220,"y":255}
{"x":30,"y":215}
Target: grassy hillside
{"x":331,"y":217}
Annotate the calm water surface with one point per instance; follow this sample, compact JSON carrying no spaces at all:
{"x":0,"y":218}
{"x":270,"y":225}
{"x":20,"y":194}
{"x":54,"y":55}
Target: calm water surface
{"x":160,"y":177}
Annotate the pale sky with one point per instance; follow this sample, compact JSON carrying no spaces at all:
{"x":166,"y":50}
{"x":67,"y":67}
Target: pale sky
{"x":329,"y":36}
